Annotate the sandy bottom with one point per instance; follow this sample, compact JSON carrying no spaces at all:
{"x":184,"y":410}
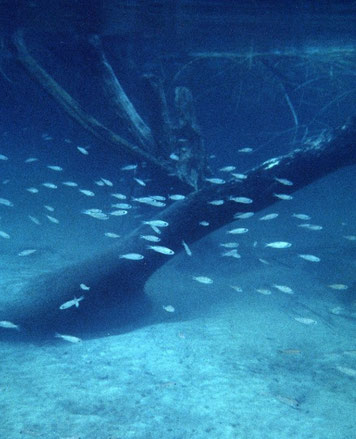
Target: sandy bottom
{"x":225,"y":364}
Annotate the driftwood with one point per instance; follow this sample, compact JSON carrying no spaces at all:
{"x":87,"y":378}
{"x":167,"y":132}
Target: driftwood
{"x":191,"y":165}
{"x":118,"y":283}
{"x":73,"y":108}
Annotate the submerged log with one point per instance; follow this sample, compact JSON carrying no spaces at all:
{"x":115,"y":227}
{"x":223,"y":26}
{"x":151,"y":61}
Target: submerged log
{"x":117,"y":282}
{"x":191,"y":166}
{"x":85,"y":120}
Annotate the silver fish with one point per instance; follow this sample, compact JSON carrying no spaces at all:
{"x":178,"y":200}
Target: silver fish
{"x":111,"y":235}
{"x":338,"y":287}
{"x":139,"y":181}
{"x":151,"y":238}
{"x":87,"y":192}
{"x":243,"y":215}
{"x":9,"y":325}
{"x":32,"y":190}
{"x":186,"y":248}
{"x":70,"y":338}
{"x":156,"y":223}
{"x":238,"y":231}
{"x":347,"y":371}
{"x":82,"y":150}
{"x":283,"y":289}
{"x":236,"y":288}
{"x":129,"y":168}
{"x":50,"y":185}
{"x":176,"y":197}
{"x":119,"y":196}
{"x":158,"y":197}
{"x":55,"y":168}
{"x":70,"y":303}
{"x":232,"y":253}
{"x":215,"y":180}
{"x":264,"y":291}
{"x":27,"y":252}
{"x":132,"y":256}
{"x":284,"y":181}
{"x":52,"y":219}
{"x":268,"y":217}
{"x":310,"y":258}
{"x":6,"y":202}
{"x":119,"y":212}
{"x":243,"y":200}
{"x":239,"y":176}
{"x":301,"y":216}
{"x":305,"y":320}
{"x":150,"y":201}
{"x":227,"y":169}
{"x":161,"y":249}
{"x":70,"y":183}
{"x":107,"y":182}
{"x":216,"y":202}
{"x":279,"y":244}
{"x":229,"y":244}
{"x":34,"y":220}
{"x":283,"y":196}
{"x":350,"y":237}
{"x":96,"y":213}
{"x":310,"y":226}
{"x":122,"y":205}
{"x":203,"y":279}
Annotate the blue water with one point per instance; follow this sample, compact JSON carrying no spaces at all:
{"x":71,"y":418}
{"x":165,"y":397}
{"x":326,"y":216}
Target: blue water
{"x":264,"y":347}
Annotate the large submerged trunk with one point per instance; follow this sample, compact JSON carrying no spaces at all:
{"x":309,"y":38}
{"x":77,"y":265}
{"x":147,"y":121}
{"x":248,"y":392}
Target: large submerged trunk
{"x":117,"y":282}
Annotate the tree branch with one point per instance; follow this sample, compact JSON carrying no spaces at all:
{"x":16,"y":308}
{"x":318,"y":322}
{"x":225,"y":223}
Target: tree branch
{"x":119,"y":99}
{"x":74,"y":110}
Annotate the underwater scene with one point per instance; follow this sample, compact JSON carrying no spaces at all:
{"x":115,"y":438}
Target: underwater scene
{"x":177,"y":219}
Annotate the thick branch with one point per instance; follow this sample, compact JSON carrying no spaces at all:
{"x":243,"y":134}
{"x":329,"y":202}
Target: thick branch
{"x":119,"y":99}
{"x":163,"y":126}
{"x":114,"y":281}
{"x":191,"y":164}
{"x":74,"y":110}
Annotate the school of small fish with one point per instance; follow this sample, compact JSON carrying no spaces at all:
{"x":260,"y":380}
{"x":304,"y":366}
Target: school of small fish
{"x":130,"y":206}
